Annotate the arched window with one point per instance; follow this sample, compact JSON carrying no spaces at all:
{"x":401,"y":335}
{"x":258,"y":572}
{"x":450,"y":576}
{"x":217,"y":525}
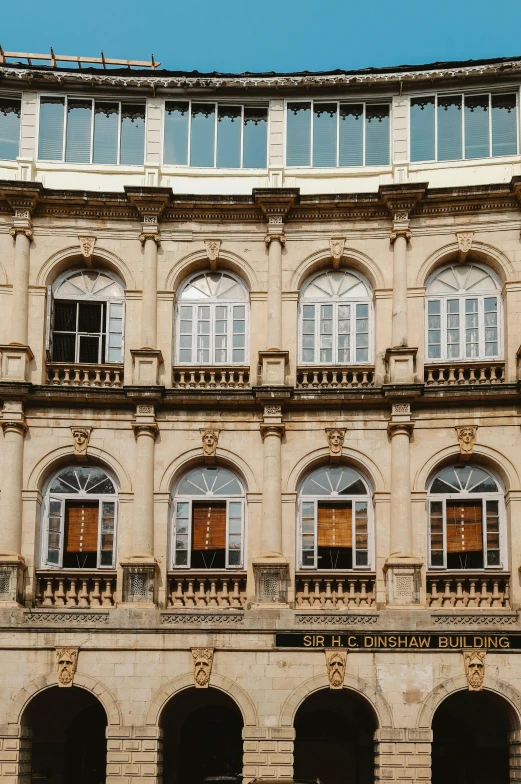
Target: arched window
{"x":466,"y":519}
{"x":335,"y":520}
{"x":208,"y":527}
{"x":80,"y":519}
{"x":212,"y":320}
{"x":464,"y":314}
{"x":336,"y":314}
{"x":86,"y":318}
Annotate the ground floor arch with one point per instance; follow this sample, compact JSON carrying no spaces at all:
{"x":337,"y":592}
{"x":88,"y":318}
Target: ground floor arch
{"x":67,"y":728}
{"x":334,"y":738}
{"x":202,"y":736}
{"x":471,"y":733}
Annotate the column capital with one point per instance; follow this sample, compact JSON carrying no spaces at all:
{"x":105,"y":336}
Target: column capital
{"x":14,"y":426}
{"x":26,"y":231}
{"x":145,"y":429}
{"x":400,"y":428}
{"x":272,"y":429}
{"x":146,"y":234}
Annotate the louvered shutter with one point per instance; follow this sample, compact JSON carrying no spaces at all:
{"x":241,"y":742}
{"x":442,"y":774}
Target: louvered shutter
{"x":335,"y":525}
{"x":464,"y":526}
{"x":49,"y":324}
{"x":81,"y":527}
{"x":115,"y":328}
{"x":209,"y":526}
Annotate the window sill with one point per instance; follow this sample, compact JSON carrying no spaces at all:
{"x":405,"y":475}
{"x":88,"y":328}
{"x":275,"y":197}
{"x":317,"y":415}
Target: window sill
{"x":96,"y":168}
{"x":464,"y":163}
{"x":338,"y":171}
{"x":213,"y":171}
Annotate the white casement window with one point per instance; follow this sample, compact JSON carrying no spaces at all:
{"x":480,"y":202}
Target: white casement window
{"x":466,"y":518}
{"x":212,"y":316}
{"x":208,"y":523}
{"x":86,"y":315}
{"x":464,"y":314}
{"x":336,"y":320}
{"x":80,"y":515}
{"x":10,"y":121}
{"x":335,"y":520}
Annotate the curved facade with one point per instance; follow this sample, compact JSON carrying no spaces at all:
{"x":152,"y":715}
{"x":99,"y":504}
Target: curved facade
{"x":260,"y":426}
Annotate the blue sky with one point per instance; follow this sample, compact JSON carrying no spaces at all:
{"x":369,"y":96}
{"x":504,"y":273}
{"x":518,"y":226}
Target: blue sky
{"x":278,"y":35}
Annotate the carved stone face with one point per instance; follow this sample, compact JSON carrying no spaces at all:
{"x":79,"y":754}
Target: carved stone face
{"x":66,"y":665}
{"x":466,"y":438}
{"x":475,"y":669}
{"x":336,"y":670}
{"x":467,"y":435}
{"x":80,"y":437}
{"x":336,"y":440}
{"x":210,"y":439}
{"x":202,"y":668}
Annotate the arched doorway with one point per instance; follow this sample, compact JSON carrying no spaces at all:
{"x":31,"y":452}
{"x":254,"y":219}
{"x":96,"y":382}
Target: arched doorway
{"x":202,"y":736}
{"x":470,"y":739}
{"x":68,"y":737}
{"x":334,"y":738}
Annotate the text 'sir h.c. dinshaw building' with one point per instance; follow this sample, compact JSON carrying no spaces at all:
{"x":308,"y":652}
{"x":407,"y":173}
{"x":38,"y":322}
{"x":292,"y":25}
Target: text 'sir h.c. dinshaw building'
{"x":260,"y":385}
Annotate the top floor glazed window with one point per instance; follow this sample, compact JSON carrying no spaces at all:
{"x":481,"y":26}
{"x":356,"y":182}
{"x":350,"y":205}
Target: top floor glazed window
{"x":86,"y":318}
{"x":332,"y":134}
{"x":10,"y":115}
{"x":464,"y":314}
{"x":225,"y":136}
{"x":335,"y":320}
{"x":84,"y":130}
{"x":453,"y":127}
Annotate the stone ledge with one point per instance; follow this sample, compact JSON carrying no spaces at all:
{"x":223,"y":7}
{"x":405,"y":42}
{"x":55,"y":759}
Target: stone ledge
{"x":206,"y":619}
{"x":359,"y":619}
{"x":499,"y":618}
{"x":49,"y":617}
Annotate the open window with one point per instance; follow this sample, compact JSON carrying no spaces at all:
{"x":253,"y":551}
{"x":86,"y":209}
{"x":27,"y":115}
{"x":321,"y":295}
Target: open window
{"x":208,"y":526}
{"x":80,"y":519}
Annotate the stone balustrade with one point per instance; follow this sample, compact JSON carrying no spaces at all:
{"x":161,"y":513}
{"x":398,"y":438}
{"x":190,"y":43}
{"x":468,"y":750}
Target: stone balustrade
{"x":327,"y":591}
{"x":203,"y":589}
{"x":335,"y":377}
{"x":66,"y":374}
{"x":464,"y":373}
{"x":211,"y":378}
{"x":70,"y":589}
{"x":468,"y":590}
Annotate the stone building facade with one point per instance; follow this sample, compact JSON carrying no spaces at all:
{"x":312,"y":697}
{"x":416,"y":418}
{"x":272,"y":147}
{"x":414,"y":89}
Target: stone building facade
{"x":260,"y":487}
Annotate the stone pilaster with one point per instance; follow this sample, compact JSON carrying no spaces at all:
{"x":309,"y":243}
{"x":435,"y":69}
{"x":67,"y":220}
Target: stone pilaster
{"x":514,"y":747}
{"x":403,"y":755}
{"x":268,"y":751}
{"x":15,"y":754}
{"x":11,"y":561}
{"x":134,"y":755}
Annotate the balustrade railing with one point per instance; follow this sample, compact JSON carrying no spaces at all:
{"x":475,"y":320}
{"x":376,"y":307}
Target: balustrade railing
{"x":468,"y":590}
{"x":67,"y":374}
{"x":83,"y":590}
{"x":464,"y":373}
{"x":221,"y":590}
{"x":211,"y":378}
{"x":335,"y":378}
{"x":320,"y":591}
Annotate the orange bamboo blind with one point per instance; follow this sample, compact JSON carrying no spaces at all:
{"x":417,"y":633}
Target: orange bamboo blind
{"x":209,"y":521}
{"x":464,"y":526}
{"x":335,"y":525}
{"x":81,"y":527}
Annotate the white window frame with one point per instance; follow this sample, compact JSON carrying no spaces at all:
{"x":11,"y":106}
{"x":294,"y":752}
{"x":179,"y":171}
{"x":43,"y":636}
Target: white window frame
{"x":503,"y":90}
{"x":499,"y":496}
{"x":16,"y":96}
{"x":462,"y":297}
{"x":98,"y":99}
{"x":364,"y":103}
{"x":335,"y":302}
{"x":82,"y":496}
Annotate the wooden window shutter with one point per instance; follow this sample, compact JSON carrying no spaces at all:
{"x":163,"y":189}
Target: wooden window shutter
{"x":209,"y":526}
{"x":464,"y":526}
{"x":81,"y":527}
{"x":335,"y":525}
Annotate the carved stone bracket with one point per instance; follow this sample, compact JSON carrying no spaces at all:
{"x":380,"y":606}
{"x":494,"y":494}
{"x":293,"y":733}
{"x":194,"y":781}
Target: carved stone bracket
{"x":275,"y":203}
{"x":467,"y":438}
{"x":202,"y":660}
{"x":212,"y":252}
{"x":336,"y":661}
{"x":464,"y":243}
{"x":337,"y":245}
{"x":87,"y":243}
{"x":335,"y":440}
{"x":66,"y":661}
{"x":474,"y":662}
{"x":80,"y":439}
{"x":210,"y":439}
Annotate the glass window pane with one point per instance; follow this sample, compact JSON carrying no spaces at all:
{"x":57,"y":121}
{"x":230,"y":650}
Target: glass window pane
{"x":476,"y":126}
{"x":50,"y":137}
{"x":79,"y":124}
{"x":229,"y":137}
{"x":449,"y":128}
{"x":422,"y":128}
{"x":10,"y":113}
{"x":89,"y":350}
{"x":132,"y":134}
{"x":176,"y":132}
{"x":202,"y":139}
{"x":255,"y":141}
{"x":298,"y":134}
{"x":351,"y":131}
{"x":377,"y":123}
{"x":106,"y":119}
{"x":324,"y":134}
{"x":504,"y":125}
{"x":63,"y":347}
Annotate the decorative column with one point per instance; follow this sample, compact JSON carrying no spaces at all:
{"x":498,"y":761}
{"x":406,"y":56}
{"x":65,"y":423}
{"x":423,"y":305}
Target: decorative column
{"x":403,"y":569}
{"x":150,"y":203}
{"x":271,"y":568}
{"x":140,"y":568}
{"x":12,"y":564}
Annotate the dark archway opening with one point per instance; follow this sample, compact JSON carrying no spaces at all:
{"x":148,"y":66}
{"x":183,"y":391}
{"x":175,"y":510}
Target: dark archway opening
{"x":202,"y":737}
{"x":335,"y":738}
{"x":470,"y":739}
{"x":68,"y":737}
